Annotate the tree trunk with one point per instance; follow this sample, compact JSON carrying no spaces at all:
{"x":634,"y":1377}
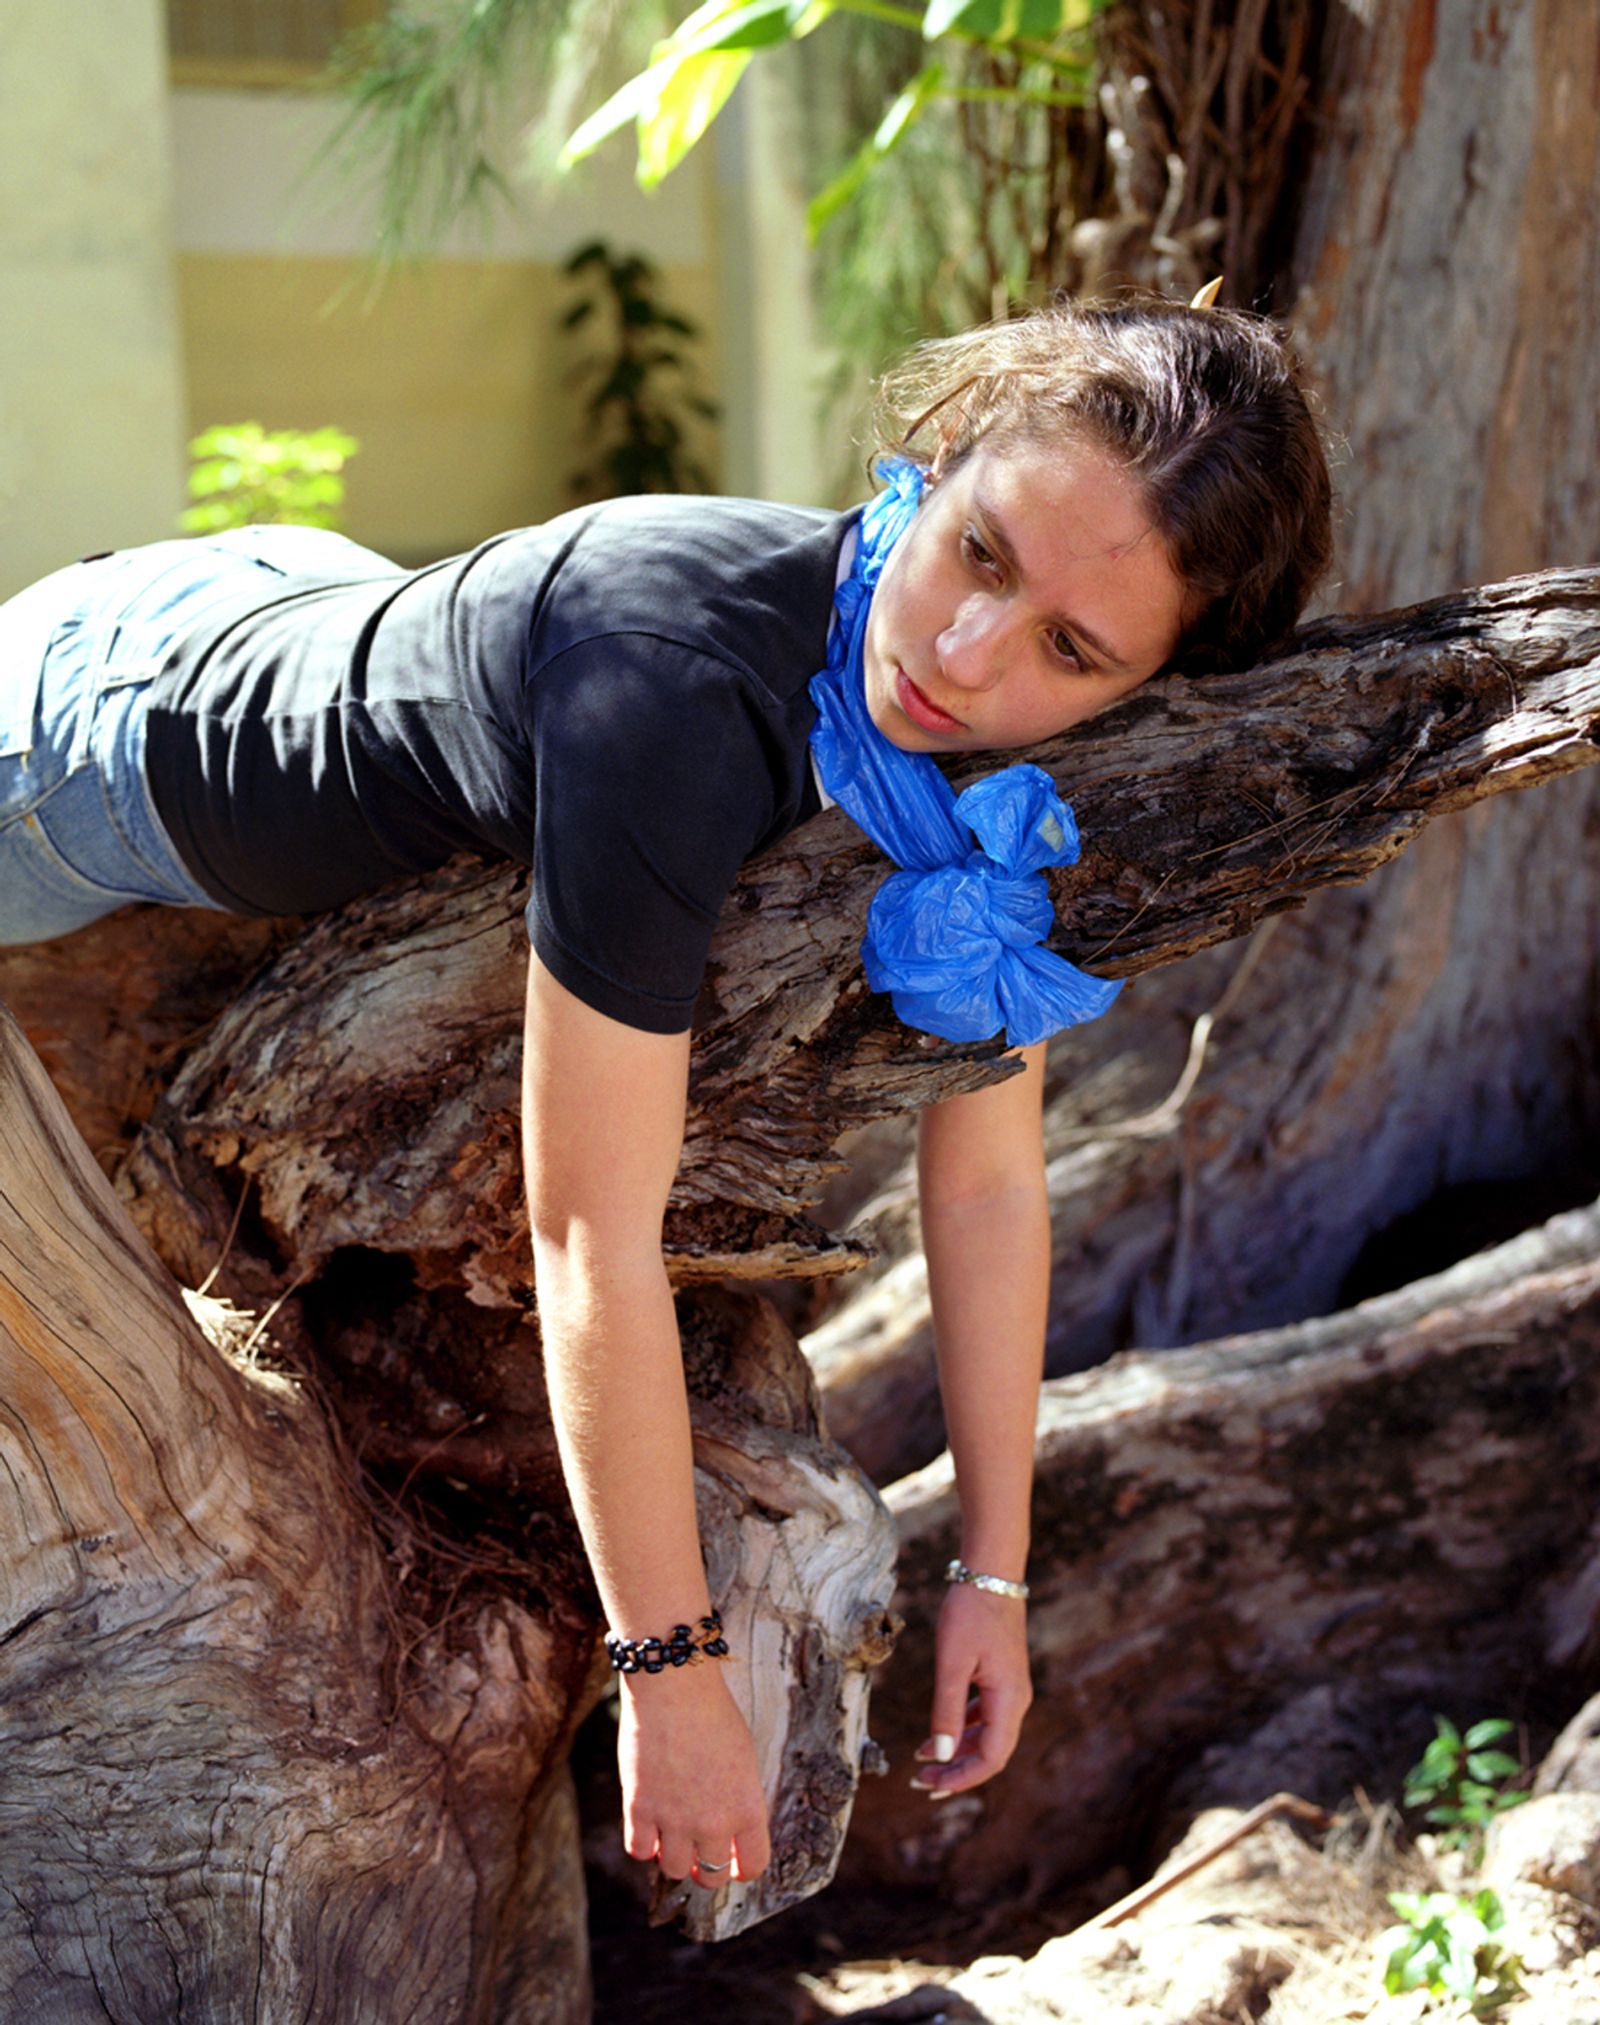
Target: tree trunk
{"x":380,"y":1051}
{"x":1381,"y":1083}
{"x":317,"y":1764}
{"x":338,"y":1151}
{"x":245,"y":1777}
{"x":1448,"y":289}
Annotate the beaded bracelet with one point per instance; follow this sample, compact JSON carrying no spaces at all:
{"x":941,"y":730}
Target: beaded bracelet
{"x":997,"y":1585}
{"x":683,"y":1648}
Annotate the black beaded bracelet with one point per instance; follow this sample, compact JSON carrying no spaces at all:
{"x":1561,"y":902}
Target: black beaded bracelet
{"x":682,"y":1648}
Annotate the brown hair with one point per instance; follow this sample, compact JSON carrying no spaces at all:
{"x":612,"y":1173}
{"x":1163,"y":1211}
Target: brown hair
{"x":1204,"y":406}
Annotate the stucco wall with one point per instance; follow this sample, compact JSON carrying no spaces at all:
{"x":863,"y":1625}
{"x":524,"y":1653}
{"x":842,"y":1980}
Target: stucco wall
{"x":451,"y":372}
{"x":91,"y":381}
{"x":455,"y":382}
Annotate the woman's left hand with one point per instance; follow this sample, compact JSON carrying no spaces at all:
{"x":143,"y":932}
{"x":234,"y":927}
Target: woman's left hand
{"x":981,"y":1689}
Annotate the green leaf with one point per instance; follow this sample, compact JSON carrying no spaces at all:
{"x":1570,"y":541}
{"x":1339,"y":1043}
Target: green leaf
{"x":1492,"y":1765}
{"x":1488,"y":1732}
{"x":631,"y":101}
{"x":1459,"y":1977}
{"x":833,"y":197}
{"x":755,"y":24}
{"x":744,"y":24}
{"x":593,"y":252}
{"x":1464,"y":1931}
{"x":907,"y":107}
{"x":1005,"y":20}
{"x":1437,"y":1765}
{"x":688,"y":101}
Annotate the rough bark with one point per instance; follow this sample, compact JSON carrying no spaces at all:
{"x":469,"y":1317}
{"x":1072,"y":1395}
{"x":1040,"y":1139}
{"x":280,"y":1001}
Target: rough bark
{"x":362,"y":1085}
{"x":1396,"y":1501}
{"x":317,"y":1764}
{"x":379,"y":1052}
{"x":1448,"y":288}
{"x":1387,"y":1082}
{"x":242,"y":1781}
{"x":339,"y":1140}
{"x":801,"y":1552}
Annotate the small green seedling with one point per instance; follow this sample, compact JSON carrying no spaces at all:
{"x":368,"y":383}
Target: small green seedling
{"x":1447,"y":1946}
{"x":245,"y":476}
{"x":1460,"y":1780}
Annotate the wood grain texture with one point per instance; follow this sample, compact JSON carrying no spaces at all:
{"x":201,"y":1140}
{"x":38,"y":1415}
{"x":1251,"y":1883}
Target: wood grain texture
{"x":801,"y":1552}
{"x":230,"y":1792}
{"x":1429,"y":1034}
{"x":305,"y":1772}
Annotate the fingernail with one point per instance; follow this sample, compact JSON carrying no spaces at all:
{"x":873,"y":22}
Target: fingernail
{"x":944,"y":1748}
{"x":942,"y":1792}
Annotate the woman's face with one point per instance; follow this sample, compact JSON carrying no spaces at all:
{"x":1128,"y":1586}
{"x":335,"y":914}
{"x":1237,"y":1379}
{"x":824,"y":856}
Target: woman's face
{"x":1029,"y":592}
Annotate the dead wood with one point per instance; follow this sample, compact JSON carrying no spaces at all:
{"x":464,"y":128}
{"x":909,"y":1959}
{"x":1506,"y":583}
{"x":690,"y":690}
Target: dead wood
{"x":380,"y":1718}
{"x":355,"y":1103}
{"x":241,"y":1780}
{"x":1398,"y":1497}
{"x":357,"y":1100}
{"x":380,"y":1051}
{"x":1174,"y":1874}
{"x":800,"y":1551}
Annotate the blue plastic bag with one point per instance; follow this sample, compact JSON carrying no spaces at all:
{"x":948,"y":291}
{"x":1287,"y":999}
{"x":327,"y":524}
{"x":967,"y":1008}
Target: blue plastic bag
{"x":956,"y":937}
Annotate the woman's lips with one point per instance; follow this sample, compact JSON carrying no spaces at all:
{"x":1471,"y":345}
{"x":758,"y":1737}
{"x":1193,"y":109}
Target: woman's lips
{"x":918,"y":708}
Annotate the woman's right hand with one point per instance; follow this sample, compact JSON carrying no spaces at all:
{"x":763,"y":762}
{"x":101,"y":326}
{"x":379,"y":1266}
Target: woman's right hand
{"x":691,"y":1792}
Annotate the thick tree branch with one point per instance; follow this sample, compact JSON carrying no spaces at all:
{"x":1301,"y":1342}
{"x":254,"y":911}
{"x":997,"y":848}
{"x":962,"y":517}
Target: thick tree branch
{"x":1209,"y":804}
{"x":379,"y":1053}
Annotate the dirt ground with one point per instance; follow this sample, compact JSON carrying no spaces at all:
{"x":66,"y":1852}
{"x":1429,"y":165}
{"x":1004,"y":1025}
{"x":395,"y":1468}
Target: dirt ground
{"x":1281,"y":1930}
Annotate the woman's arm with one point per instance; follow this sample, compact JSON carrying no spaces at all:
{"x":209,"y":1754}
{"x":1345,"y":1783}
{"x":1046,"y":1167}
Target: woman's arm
{"x":986,"y":1233}
{"x":602,"y":1123}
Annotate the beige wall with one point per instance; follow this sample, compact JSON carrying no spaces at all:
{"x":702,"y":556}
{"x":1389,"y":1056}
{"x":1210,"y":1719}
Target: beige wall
{"x":91,"y":400}
{"x":452,"y":372}
{"x":454,"y":378}
{"x":170,"y":257}
{"x":774,"y":363}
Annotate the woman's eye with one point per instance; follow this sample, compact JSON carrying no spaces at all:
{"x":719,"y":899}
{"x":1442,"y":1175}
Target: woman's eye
{"x":1063,"y":646}
{"x":976,"y":553}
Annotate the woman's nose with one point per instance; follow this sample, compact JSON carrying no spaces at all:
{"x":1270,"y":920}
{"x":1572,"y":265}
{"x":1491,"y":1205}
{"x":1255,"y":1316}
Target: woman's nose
{"x":973,"y":647}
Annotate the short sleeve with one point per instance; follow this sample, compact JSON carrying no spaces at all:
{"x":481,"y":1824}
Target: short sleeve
{"x":655,"y":775}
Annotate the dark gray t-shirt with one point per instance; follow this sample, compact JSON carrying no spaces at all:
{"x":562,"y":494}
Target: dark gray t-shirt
{"x":618,"y":698}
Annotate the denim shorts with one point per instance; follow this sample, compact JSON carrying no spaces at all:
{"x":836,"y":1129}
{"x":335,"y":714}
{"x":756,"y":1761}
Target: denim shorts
{"x":79,"y":834}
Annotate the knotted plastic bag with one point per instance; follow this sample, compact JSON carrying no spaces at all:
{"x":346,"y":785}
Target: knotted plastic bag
{"x":956,"y":937}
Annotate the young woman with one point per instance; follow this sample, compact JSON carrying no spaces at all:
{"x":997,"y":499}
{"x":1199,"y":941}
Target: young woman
{"x":633,"y":699}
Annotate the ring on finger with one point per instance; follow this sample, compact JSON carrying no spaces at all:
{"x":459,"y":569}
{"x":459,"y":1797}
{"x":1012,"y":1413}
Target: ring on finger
{"x":701,"y":1864}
